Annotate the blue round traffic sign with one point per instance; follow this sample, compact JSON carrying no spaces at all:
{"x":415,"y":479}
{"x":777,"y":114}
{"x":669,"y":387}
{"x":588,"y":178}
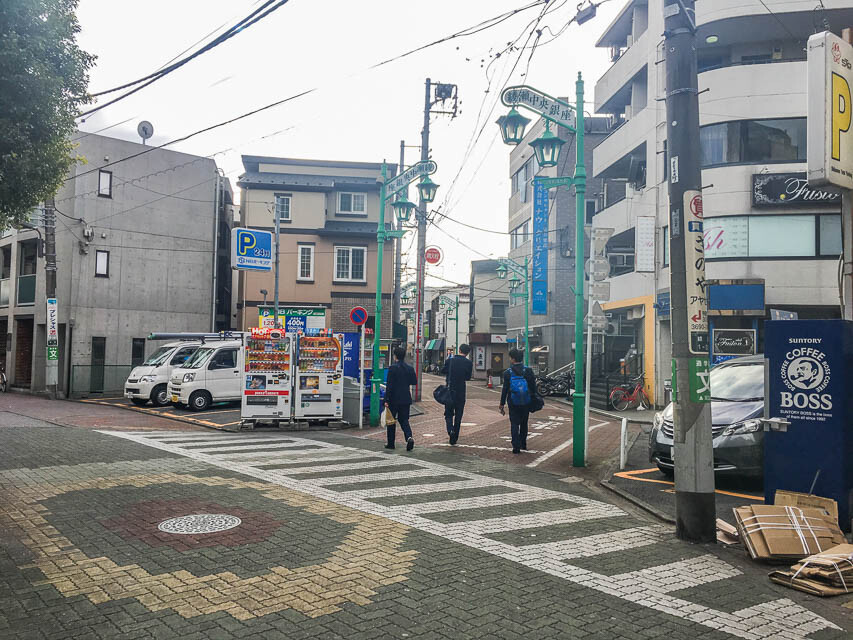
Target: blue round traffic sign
{"x":358,"y":316}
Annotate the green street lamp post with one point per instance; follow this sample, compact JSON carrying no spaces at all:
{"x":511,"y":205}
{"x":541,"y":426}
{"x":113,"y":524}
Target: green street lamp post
{"x":454,"y":306}
{"x":403,"y":210}
{"x":547,"y":149}
{"x":508,"y":265}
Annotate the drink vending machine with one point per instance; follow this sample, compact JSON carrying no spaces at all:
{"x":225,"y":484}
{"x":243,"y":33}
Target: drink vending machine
{"x":318,"y":384}
{"x":268,"y":376}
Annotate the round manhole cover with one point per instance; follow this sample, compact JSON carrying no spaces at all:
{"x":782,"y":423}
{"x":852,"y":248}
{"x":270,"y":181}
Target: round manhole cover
{"x":200,"y":523}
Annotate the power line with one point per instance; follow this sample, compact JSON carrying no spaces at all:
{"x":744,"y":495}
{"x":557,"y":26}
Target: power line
{"x":779,"y":20}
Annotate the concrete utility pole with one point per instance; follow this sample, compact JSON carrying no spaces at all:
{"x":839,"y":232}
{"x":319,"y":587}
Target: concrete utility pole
{"x":51,"y":376}
{"x":398,"y":245}
{"x":847,"y":233}
{"x":421,"y":216}
{"x":695,"y":513}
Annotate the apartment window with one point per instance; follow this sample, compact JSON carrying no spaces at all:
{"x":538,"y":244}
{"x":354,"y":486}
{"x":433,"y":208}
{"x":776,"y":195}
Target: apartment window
{"x":498,"y":316}
{"x":773,"y":236}
{"x":753,"y":141}
{"x":137,"y":351}
{"x":665,"y":244}
{"x":349,"y":264}
{"x":105,"y":184}
{"x":352,"y":203}
{"x":519,"y":235}
{"x":29,"y":258}
{"x":5,"y":262}
{"x":305,"y":255}
{"x":282,"y":206}
{"x":102,"y":264}
{"x":591,"y":206}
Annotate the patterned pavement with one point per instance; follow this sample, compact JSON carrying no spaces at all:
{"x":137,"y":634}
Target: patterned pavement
{"x":341,"y":539}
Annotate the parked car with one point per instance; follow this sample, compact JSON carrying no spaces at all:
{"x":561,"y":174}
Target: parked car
{"x":210,"y":375}
{"x":737,"y":404}
{"x":150,"y":380}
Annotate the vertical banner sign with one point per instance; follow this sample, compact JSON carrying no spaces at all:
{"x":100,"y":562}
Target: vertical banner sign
{"x":351,"y":353}
{"x":539,"y":279}
{"x":52,"y":330}
{"x":480,"y":358}
{"x":644,"y":241}
{"x":697,"y":296}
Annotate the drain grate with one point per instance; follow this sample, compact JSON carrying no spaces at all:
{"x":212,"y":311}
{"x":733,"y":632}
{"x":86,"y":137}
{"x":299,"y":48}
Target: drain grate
{"x":200,"y":523}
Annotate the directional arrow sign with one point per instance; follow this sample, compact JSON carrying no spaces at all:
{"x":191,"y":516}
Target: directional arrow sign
{"x":422,"y":168}
{"x":598,"y":268}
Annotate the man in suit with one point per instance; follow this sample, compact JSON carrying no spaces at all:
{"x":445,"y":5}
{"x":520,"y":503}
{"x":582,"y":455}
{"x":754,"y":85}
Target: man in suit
{"x":518,"y":413}
{"x":457,"y":370}
{"x":398,"y":398}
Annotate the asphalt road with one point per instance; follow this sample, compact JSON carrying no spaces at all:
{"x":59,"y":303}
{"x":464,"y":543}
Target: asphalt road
{"x":218,"y":416}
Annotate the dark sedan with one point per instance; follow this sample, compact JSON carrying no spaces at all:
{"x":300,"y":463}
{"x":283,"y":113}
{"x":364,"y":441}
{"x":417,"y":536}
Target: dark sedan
{"x":737,"y":404}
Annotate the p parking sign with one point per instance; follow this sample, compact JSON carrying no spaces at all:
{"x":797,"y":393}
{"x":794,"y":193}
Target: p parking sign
{"x":251,"y":249}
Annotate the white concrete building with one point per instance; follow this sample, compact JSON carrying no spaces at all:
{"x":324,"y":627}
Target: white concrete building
{"x":769,"y":242}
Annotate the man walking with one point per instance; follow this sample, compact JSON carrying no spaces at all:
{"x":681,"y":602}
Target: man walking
{"x":519,"y":385}
{"x":457,"y":370}
{"x":398,"y":398}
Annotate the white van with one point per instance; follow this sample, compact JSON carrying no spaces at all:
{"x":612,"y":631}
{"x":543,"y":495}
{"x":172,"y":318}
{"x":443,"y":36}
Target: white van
{"x":211,"y":374}
{"x":150,"y":380}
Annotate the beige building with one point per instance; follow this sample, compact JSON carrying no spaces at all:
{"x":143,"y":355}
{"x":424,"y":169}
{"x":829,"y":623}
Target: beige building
{"x":328,"y":213}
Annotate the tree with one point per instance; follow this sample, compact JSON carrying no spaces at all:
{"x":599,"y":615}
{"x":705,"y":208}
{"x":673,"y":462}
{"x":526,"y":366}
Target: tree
{"x":43,"y":80}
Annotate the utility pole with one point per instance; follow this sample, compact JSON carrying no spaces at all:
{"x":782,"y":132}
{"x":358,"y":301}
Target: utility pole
{"x":277,"y":250}
{"x":695,"y":513}
{"x":398,"y":245}
{"x":421,"y":216}
{"x":52,"y":319}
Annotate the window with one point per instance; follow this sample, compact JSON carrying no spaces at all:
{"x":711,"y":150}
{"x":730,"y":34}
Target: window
{"x":102,"y":264}
{"x":349,"y":264}
{"x":305,"y":256}
{"x":753,"y":141}
{"x":352,"y":203}
{"x":224,"y":359}
{"x":591,"y":206}
{"x":28,"y":258}
{"x":498,"y":316}
{"x":519,"y":235}
{"x":282,"y":206}
{"x":182,"y":355}
{"x":5,"y":262}
{"x":773,"y":236}
{"x":105,"y":184}
{"x":665,"y":244}
{"x":137,"y":352}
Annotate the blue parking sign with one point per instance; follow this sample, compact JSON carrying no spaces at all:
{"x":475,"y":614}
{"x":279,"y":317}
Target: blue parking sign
{"x":294,"y":324}
{"x":251,"y":249}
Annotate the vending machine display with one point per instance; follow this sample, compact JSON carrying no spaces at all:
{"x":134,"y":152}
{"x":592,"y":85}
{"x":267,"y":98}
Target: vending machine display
{"x":267,"y":376}
{"x":319,"y":387}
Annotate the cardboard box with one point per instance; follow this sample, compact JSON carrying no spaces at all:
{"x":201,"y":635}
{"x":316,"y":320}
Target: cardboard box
{"x":780,"y":533}
{"x":726,"y":533}
{"x":795,"y":499}
{"x":806,"y":585}
{"x":825,"y":574}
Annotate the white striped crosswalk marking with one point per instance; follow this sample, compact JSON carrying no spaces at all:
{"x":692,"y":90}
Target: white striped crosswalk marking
{"x":782,"y":618}
{"x":679,"y":575}
{"x":350,"y":466}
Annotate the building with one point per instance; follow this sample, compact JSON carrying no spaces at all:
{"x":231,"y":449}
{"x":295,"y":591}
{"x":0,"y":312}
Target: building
{"x":136,"y":242}
{"x":329,"y":214}
{"x":770,"y":242}
{"x":552,"y":332}
{"x":449,"y":328}
{"x":487,"y":319}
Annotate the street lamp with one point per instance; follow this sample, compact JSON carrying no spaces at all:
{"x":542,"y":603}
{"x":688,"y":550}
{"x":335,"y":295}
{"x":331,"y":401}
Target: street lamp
{"x":547,"y":150}
{"x":265,"y":293}
{"x":508,"y":265}
{"x":454,"y":306}
{"x":427,"y":189}
{"x":403,"y":208}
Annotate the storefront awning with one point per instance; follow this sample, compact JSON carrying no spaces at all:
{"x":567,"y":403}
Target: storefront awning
{"x":435,"y":345}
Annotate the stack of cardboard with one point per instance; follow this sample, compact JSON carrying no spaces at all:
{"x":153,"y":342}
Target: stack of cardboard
{"x":784,"y":533}
{"x":824,"y":574}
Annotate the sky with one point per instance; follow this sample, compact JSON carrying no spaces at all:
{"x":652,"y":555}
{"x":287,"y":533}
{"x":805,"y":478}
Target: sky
{"x":359,"y":112}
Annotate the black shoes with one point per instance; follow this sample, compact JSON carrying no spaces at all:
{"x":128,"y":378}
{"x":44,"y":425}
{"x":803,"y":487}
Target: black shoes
{"x":524,"y":445}
{"x":454,"y":436}
{"x":516,"y":450}
{"x":410,"y":444}
{"x":389,"y":446}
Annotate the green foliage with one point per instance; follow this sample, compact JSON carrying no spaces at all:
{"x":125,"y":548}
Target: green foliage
{"x":43,"y":80}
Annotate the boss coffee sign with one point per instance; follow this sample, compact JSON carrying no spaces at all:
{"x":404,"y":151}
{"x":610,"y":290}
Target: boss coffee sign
{"x":791,"y":190}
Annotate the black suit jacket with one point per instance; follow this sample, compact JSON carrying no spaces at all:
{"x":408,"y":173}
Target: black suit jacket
{"x":461,"y":371}
{"x":400,"y":377}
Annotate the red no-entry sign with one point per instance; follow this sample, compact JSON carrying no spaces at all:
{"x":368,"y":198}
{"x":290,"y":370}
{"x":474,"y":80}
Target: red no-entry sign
{"x":358,"y":316}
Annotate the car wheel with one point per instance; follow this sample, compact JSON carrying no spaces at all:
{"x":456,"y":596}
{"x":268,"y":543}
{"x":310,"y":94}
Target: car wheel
{"x":200,"y":400}
{"x":139,"y":402}
{"x":160,"y":396}
{"x":669,"y":473}
{"x":619,"y":400}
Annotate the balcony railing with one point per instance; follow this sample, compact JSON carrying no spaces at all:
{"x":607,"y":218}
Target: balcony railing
{"x":497,"y":321}
{"x":26,"y":289}
{"x":5,"y":288}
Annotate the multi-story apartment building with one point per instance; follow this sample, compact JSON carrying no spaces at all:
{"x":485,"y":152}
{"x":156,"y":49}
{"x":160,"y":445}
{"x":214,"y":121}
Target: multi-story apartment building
{"x":446,"y":321}
{"x":487,"y":319}
{"x":769,"y":242}
{"x":136,"y":244}
{"x":551,"y":333}
{"x":328,"y":213}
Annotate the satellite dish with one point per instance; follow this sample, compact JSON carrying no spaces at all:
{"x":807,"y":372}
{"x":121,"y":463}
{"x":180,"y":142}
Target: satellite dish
{"x":145,"y":130}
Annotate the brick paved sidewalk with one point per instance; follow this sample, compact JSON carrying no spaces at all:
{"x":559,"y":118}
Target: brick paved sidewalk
{"x":331,"y":536}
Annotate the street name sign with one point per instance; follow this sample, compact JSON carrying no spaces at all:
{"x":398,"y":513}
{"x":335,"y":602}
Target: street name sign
{"x":548,"y":107}
{"x":550,"y":183}
{"x":251,"y":249}
{"x":422,"y":168}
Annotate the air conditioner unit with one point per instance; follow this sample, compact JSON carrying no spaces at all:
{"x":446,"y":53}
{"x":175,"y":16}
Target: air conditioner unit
{"x":611,"y":329}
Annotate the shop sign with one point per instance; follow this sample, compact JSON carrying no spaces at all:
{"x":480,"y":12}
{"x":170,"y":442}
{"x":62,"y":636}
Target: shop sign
{"x":791,"y":190}
{"x":697,"y":287}
{"x":293,"y":318}
{"x":480,"y":358}
{"x":499,"y":338}
{"x":251,"y":249}
{"x":734,"y":342}
{"x":539,"y":273}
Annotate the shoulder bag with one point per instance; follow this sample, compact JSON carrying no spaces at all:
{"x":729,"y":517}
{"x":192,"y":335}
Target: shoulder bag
{"x":442,"y":393}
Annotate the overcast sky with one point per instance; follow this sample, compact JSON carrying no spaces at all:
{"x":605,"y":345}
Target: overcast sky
{"x":358,"y":113}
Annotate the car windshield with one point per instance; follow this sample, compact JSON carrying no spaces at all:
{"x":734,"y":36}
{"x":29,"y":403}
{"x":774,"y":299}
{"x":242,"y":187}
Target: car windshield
{"x":738,"y":382}
{"x":198,"y":359}
{"x":158,"y":357}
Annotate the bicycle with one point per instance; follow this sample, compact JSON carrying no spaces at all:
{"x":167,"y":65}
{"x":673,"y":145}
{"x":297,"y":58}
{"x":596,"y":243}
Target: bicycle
{"x":631,"y":395}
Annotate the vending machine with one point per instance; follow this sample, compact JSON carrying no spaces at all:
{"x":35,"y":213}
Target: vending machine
{"x":319,"y":385}
{"x":267,"y":376}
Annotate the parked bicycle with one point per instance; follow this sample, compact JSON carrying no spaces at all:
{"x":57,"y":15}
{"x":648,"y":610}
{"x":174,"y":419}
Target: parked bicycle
{"x":629,"y":396}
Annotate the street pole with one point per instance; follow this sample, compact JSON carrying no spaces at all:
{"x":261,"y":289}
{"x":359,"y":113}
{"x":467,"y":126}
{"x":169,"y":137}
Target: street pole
{"x":277,"y":251}
{"x":52,"y":350}
{"x":695,"y":513}
{"x":847,"y":234}
{"x":421,"y":215}
{"x":361,"y":379}
{"x":398,"y":245}
{"x":216,"y":196}
{"x":376,"y":380}
{"x":579,"y":398}
{"x":526,"y":311}
{"x":457,"y":322}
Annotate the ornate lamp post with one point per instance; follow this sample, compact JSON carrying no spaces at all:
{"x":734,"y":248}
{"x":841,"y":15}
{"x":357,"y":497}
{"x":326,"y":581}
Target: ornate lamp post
{"x":506,"y":266}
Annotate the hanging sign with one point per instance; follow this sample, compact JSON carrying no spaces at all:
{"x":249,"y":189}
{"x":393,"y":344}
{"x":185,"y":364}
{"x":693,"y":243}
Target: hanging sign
{"x":480,"y":358}
{"x":422,"y":168}
{"x":433,"y":255}
{"x":697,"y":287}
{"x":543,"y":104}
{"x":539,"y":273}
{"x":791,"y":190}
{"x":644,"y":241}
{"x":734,"y":342}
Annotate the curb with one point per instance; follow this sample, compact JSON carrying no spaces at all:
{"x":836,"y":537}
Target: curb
{"x":637,"y":502}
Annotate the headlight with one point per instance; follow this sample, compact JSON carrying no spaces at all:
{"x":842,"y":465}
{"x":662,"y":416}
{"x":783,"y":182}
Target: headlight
{"x":658,"y":420}
{"x":740,"y":428}
{"x":189,"y":377}
{"x":148,"y":379}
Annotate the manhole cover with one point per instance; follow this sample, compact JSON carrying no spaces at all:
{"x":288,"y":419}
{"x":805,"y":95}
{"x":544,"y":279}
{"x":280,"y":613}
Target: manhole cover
{"x":200,"y":523}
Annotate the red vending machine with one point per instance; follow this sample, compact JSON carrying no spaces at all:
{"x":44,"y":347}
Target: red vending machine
{"x":267,"y":376}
